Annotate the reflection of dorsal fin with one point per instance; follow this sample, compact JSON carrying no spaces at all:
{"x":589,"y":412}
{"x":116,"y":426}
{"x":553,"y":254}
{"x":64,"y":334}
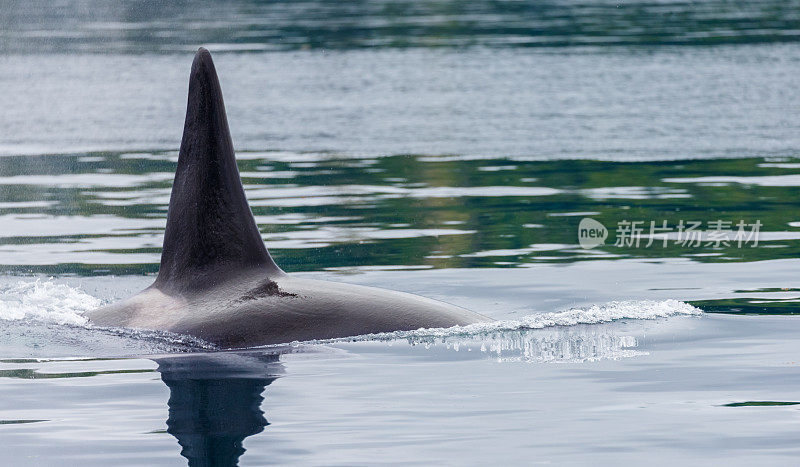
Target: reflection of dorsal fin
{"x":210,"y":229}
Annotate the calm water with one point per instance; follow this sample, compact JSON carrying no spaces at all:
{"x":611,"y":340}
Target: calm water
{"x":449,"y":149}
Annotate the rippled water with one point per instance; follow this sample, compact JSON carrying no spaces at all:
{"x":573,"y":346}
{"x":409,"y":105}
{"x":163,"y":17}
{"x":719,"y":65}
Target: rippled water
{"x":136,"y":25}
{"x":449,"y":149}
{"x":612,"y":103}
{"x":101,"y":213}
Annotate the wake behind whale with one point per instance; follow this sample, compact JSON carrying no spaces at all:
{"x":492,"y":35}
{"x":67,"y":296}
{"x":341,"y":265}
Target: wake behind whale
{"x":50,"y":316}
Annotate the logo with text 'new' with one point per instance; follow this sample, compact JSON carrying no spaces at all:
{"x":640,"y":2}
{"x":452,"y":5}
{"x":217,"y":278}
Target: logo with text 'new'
{"x":591,"y":233}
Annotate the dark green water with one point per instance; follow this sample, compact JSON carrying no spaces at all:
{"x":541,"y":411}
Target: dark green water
{"x":134,"y":25}
{"x":104,"y":212}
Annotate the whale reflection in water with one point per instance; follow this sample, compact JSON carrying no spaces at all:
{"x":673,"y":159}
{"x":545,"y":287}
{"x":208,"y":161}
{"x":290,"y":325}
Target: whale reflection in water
{"x":215,"y":397}
{"x":215,"y":402}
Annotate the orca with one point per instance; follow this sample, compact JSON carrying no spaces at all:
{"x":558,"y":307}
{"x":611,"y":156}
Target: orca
{"x":218,"y":282}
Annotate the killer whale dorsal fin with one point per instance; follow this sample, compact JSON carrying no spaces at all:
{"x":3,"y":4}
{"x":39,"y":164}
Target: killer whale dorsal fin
{"x":210,"y":228}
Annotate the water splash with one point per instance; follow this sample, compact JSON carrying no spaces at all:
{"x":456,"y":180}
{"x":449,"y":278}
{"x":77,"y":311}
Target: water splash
{"x":163,"y":341}
{"x":46,"y":301}
{"x":595,"y":314}
{"x":45,"y":316}
{"x":562,"y":345}
{"x":566,"y":336}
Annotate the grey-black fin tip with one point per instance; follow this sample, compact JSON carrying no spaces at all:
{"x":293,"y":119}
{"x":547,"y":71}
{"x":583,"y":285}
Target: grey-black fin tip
{"x":210,"y":226}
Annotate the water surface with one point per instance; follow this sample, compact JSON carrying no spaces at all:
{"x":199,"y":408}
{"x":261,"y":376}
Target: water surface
{"x":448,"y":149}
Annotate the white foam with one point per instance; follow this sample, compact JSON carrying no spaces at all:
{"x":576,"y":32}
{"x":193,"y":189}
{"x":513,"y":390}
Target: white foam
{"x":564,"y":341}
{"x":595,"y":314}
{"x":174,"y":342}
{"x":46,"y":301}
{"x":50,"y":302}
{"x":568,"y":344}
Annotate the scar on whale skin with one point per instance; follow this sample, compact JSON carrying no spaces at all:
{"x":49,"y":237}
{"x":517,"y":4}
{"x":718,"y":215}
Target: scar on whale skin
{"x":267,"y":288}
